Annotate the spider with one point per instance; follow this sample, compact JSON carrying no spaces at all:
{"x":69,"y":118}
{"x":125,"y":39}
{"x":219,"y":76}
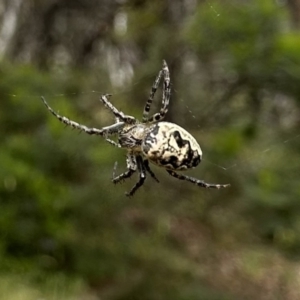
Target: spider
{"x":164,"y":144}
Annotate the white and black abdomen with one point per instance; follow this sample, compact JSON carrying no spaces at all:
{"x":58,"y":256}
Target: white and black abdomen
{"x":172,"y":147}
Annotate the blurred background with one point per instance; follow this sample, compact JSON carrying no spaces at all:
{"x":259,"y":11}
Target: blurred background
{"x":66,"y":232}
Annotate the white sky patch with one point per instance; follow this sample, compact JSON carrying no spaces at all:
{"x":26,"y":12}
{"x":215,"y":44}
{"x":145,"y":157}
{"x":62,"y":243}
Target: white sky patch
{"x":120,"y":23}
{"x":9,"y":23}
{"x":120,"y":72}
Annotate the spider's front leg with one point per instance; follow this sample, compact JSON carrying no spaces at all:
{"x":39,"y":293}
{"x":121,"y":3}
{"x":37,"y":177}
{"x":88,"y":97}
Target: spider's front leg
{"x":166,"y":95}
{"x":151,"y":96}
{"x":118,"y":114}
{"x":197,"y":181}
{"x":104,"y":132}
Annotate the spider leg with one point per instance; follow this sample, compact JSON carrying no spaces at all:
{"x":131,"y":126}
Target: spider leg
{"x":151,"y":96}
{"x":105,"y":131}
{"x":142,"y":171}
{"x":118,"y":114}
{"x":198,"y":181}
{"x":113,"y":143}
{"x":131,"y":168}
{"x":166,"y":96}
{"x":147,"y":167}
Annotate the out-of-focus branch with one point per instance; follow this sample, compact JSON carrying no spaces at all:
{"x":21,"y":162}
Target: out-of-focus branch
{"x":294,"y":8}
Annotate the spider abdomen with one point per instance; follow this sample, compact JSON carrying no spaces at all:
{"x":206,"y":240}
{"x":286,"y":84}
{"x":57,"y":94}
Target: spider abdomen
{"x":172,"y":147}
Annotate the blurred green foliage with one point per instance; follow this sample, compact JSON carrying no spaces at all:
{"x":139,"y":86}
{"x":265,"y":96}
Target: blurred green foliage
{"x":67,"y":233}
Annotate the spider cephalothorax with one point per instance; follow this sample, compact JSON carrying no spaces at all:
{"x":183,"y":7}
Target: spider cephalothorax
{"x":162,"y":143}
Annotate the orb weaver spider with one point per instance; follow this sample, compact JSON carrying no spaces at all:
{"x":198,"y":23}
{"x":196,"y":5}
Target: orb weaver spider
{"x":164,"y":144}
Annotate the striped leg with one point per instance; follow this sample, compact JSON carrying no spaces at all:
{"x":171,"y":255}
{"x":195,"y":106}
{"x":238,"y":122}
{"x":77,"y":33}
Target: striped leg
{"x":166,"y":96}
{"x":105,"y":131}
{"x":118,"y":114}
{"x":142,"y":171}
{"x":151,"y":96}
{"x":131,"y":168}
{"x":147,"y":167}
{"x":197,"y":181}
{"x":113,"y":143}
